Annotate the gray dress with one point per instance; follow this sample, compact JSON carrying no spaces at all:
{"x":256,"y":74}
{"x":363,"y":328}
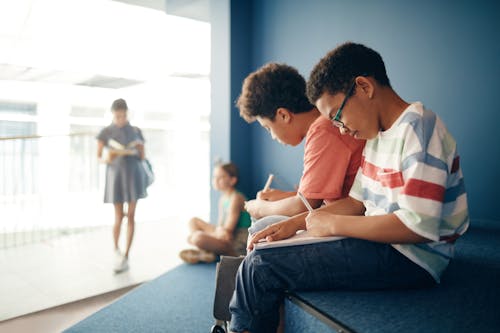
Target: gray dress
{"x":125,"y":176}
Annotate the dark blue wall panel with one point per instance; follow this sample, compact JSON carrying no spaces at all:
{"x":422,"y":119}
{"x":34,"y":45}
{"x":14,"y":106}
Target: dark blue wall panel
{"x":241,"y":60}
{"x":220,"y":71}
{"x":443,"y":53}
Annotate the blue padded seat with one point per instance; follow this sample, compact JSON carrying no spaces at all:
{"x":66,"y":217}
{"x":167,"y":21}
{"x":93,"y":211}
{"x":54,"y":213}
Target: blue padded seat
{"x":467,"y":300}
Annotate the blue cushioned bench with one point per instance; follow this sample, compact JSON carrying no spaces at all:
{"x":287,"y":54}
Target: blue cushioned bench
{"x":467,"y":300}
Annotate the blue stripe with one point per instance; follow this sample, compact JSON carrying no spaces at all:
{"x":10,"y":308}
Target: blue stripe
{"x":454,"y":192}
{"x":423,"y":126}
{"x":380,"y":201}
{"x":427,"y":159}
{"x":442,"y":249}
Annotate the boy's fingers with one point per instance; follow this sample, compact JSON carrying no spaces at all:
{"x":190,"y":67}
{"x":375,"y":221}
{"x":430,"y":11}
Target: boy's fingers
{"x":261,"y":235}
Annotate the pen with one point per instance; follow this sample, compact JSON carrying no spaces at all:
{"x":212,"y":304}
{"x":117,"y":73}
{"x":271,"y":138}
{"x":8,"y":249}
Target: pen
{"x":268,"y":183}
{"x":304,"y":200}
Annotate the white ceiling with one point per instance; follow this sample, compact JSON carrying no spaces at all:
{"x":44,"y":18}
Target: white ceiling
{"x":194,"y":9}
{"x":101,"y":42}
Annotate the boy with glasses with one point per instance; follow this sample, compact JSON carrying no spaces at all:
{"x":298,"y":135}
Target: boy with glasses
{"x":404,"y":212}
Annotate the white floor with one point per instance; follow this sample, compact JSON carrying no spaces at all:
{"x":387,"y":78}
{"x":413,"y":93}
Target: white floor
{"x":61,"y":317}
{"x":59,"y":271}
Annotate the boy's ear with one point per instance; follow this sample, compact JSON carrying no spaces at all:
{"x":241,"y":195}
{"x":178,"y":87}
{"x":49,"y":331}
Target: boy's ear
{"x":284,"y":115}
{"x":366,"y":86}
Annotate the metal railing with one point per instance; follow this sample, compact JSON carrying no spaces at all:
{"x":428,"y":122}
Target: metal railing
{"x":44,"y":183}
{"x":54,"y":185}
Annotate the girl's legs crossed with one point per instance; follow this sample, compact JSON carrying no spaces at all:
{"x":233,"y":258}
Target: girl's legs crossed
{"x":197,"y":224}
{"x":348,"y":264}
{"x":207,"y":242}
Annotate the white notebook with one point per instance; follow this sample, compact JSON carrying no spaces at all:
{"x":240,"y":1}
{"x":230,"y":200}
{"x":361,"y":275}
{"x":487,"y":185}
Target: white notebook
{"x":301,"y":238}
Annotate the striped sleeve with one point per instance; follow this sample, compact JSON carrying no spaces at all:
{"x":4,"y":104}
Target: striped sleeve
{"x":432,"y":201}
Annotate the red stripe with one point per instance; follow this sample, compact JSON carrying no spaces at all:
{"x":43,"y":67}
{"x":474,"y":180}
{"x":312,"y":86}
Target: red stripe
{"x":450,"y":238}
{"x":369,"y":170}
{"x":392,"y":180}
{"x":387,"y":177}
{"x":456,"y":164}
{"x":422,"y":189}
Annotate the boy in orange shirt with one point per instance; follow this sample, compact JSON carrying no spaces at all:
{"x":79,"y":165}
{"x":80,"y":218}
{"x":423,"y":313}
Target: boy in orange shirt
{"x":275,"y":96}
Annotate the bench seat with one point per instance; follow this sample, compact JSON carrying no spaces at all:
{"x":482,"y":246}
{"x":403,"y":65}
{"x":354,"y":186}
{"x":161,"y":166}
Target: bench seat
{"x":466,"y":300}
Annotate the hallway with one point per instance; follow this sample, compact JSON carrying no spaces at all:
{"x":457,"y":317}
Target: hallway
{"x":74,"y":267}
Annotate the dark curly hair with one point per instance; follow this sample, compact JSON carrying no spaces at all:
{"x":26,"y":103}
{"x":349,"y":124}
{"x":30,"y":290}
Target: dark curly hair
{"x":335,"y":72}
{"x":271,"y":87}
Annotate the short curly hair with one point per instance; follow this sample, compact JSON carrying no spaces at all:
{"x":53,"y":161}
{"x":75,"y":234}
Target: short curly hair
{"x":271,"y":87}
{"x":335,"y":72}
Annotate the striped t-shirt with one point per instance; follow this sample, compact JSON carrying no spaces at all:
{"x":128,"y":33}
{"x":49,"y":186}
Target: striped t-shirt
{"x":412,"y":170}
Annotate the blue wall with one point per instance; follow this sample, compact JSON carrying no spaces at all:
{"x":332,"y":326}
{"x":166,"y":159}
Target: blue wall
{"x":230,"y":136}
{"x":443,"y":53}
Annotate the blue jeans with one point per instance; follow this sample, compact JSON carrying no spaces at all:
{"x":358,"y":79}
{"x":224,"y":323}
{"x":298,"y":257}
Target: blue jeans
{"x":347,"y":264}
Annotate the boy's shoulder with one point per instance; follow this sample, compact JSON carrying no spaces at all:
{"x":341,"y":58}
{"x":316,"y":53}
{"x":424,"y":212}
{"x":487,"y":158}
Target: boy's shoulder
{"x":321,"y":126}
{"x":421,"y":123}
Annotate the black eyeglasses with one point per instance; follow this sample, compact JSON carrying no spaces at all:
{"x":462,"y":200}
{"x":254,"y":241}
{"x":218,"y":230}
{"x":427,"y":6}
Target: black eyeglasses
{"x":336,"y":119}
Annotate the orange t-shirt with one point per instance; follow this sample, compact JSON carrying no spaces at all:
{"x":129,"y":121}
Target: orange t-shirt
{"x":331,"y":161}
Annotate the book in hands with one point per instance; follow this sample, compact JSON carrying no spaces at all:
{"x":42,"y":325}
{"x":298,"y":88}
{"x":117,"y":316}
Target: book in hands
{"x":300,"y":238}
{"x":122,"y":150}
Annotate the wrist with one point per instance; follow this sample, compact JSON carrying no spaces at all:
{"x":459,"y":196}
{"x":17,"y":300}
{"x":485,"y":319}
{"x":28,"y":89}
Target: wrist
{"x":259,"y":210}
{"x":299,"y":222}
{"x":334,"y":227}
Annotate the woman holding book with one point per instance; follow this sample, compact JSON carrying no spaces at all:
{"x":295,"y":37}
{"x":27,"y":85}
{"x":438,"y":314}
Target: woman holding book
{"x":125,"y":178}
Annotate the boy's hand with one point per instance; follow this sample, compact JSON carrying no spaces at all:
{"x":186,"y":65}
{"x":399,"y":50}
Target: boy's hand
{"x":274,"y":232}
{"x":253,"y":208}
{"x":269,"y":195}
{"x":274,"y":194}
{"x":319,"y":223}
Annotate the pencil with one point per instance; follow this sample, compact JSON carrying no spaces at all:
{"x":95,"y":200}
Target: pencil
{"x":268,"y":183}
{"x":306,"y":203}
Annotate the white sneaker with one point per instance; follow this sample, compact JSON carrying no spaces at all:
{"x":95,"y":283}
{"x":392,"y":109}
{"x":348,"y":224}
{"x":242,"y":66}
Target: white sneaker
{"x":121,"y":265}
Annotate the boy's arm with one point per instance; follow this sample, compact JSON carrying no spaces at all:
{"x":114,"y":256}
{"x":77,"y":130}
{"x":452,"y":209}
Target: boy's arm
{"x":288,"y":228}
{"x":289,"y":206}
{"x":386,"y":228}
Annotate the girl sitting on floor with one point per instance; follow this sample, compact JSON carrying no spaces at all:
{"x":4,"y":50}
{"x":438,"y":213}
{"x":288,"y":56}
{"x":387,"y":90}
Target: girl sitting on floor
{"x":229,"y":237}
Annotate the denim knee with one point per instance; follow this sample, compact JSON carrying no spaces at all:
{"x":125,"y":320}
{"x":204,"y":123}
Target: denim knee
{"x":255,"y":304}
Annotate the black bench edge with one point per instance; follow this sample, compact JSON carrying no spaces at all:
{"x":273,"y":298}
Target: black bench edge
{"x":315,"y":312}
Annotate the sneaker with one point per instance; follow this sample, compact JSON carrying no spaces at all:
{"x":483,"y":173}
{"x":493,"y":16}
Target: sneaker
{"x":121,"y":265}
{"x":193,"y":256}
